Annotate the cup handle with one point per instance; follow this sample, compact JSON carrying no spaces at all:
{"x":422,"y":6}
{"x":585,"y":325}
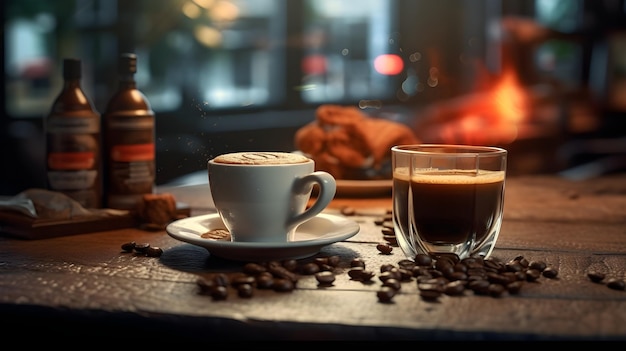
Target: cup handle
{"x":328,"y":188}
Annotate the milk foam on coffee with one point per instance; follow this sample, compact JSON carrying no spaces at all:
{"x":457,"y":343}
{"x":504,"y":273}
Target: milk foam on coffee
{"x":261,"y":158}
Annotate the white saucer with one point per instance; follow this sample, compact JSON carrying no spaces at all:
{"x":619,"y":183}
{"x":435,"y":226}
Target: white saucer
{"x":310,"y":238}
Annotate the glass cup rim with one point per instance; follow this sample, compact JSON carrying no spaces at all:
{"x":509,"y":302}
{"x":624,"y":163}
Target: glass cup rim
{"x":455,"y":150}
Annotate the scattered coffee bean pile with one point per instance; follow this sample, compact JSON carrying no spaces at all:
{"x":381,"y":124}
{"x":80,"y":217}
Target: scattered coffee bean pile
{"x":451,"y":276}
{"x":142,"y":248}
{"x":280,"y":276}
{"x":611,"y":283}
{"x":447,"y":275}
{"x":434,"y":276}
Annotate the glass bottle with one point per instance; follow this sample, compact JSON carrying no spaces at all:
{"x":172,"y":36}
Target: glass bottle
{"x":73,"y":144}
{"x":128,"y":128}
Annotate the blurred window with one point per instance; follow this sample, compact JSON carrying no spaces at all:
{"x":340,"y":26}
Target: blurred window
{"x":560,"y":59}
{"x":202,"y":54}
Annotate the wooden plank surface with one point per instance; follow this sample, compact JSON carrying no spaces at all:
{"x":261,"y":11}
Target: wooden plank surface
{"x":574,"y":227}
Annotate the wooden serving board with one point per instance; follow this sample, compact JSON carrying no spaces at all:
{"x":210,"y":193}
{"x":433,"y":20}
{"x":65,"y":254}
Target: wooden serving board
{"x":16,"y":224}
{"x":24,"y":227}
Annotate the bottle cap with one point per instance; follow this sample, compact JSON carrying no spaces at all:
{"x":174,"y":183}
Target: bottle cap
{"x":71,"y":68}
{"x":127,"y":63}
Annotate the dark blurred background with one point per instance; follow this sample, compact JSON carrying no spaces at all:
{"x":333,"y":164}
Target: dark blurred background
{"x":544,"y":78}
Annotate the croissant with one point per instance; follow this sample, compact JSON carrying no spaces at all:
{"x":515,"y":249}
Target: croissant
{"x":344,"y":141}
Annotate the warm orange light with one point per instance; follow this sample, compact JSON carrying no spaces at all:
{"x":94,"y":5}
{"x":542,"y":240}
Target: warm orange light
{"x":388,"y":64}
{"x":491,"y":116}
{"x":510,"y":98}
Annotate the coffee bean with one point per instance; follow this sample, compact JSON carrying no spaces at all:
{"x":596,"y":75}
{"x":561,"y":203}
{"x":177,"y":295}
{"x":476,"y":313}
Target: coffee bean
{"x":366,"y":276}
{"x":384,"y":276}
{"x":514,"y":266}
{"x":429,"y":280}
{"x":384,"y":248}
{"x":128,"y":247}
{"x":221,"y":279}
{"x":430,"y":295}
{"x":532,"y":274}
{"x":418,"y":271}
{"x":309,"y":268}
{"x":616,"y":284}
{"x":357,"y":262}
{"x":514,"y":287}
{"x":282,"y":272}
{"x":392,"y":283}
{"x":520,"y":275}
{"x":457,"y":276}
{"x":480,"y":287}
{"x":241,"y":280}
{"x":283,"y":285}
{"x":219,"y":293}
{"x":423,"y":260}
{"x":326,"y":267}
{"x":154,"y":251}
{"x":355,"y":272}
{"x":334,"y":260}
{"x":385,"y":294}
{"x":461,"y":267}
{"x":454,"y":288}
{"x":451,"y":258}
{"x":254,"y":269}
{"x":386,"y":267}
{"x":245,"y":290}
{"x":435,"y":273}
{"x":142,"y":247}
{"x":496,"y":290}
{"x":493,"y":264}
{"x":550,"y":272}
{"x":290,"y":265}
{"x":388,"y":231}
{"x":538,"y":265}
{"x":596,"y":277}
{"x":497,"y":278}
{"x":436,"y":287}
{"x":205,"y":284}
{"x":405,"y":274}
{"x":264,"y":281}
{"x":444,"y":266}
{"x":325,"y":278}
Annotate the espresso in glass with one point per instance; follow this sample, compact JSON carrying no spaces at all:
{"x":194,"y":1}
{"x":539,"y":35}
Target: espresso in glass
{"x":448,"y":199}
{"x":456,"y":209}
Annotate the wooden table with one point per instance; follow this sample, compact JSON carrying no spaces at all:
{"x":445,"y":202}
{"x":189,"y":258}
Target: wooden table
{"x":70,"y":287}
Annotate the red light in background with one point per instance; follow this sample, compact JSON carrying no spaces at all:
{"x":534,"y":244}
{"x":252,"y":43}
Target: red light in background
{"x":314,"y":64}
{"x":388,"y":64}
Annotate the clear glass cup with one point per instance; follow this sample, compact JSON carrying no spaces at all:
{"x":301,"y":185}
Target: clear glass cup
{"x":448,"y":199}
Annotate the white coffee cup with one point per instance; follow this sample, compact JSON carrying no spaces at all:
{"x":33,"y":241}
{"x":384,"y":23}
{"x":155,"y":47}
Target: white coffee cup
{"x":263,"y":196}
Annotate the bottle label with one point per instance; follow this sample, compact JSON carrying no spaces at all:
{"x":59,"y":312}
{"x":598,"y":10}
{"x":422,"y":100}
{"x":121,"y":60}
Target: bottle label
{"x":132,"y":152}
{"x":79,"y":124}
{"x":73,"y":157}
{"x":130,"y":158}
{"x":71,"y":160}
{"x":80,"y":180}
